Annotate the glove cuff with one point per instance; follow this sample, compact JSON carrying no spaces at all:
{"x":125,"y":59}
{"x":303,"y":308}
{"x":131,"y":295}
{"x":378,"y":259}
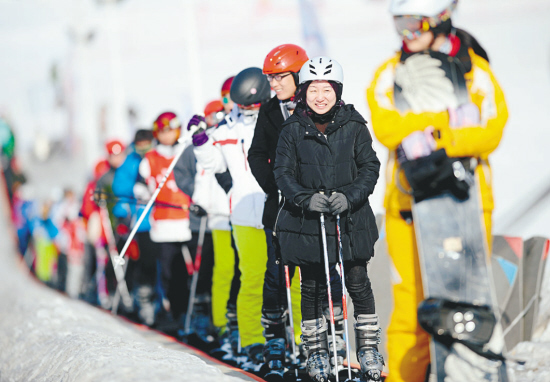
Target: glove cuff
{"x":200,"y":139}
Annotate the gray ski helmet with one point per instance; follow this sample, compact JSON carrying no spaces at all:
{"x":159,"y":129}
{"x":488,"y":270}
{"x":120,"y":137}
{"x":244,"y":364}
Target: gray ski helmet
{"x":250,"y":86}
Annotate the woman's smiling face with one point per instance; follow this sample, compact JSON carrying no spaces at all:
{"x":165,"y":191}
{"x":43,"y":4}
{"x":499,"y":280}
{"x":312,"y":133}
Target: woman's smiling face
{"x":320,"y":96}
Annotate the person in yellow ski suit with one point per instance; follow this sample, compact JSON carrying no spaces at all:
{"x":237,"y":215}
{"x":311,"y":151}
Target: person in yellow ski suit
{"x":472,"y":128}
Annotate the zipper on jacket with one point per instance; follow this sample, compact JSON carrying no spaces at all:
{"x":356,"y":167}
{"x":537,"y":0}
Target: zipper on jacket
{"x":244,"y":153}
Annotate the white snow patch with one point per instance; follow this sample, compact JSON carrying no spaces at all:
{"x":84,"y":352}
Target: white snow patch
{"x":47,"y":337}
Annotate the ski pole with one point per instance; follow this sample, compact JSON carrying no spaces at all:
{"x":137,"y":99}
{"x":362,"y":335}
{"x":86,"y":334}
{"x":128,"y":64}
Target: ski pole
{"x":344,"y":293}
{"x":188,"y":260}
{"x":195,"y":280}
{"x":290,"y":318}
{"x":330,"y":305}
{"x":183,"y":145}
{"x":120,"y":276}
{"x":116,"y":298}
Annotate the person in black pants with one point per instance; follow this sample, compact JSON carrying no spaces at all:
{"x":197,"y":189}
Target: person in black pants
{"x":326,"y":146}
{"x":281,"y":66}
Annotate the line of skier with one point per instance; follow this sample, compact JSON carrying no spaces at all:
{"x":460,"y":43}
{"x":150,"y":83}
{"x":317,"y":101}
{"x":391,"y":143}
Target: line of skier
{"x":264,"y":226}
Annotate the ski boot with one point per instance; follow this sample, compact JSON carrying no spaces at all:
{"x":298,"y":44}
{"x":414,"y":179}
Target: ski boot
{"x":255,"y":358}
{"x":201,"y":323}
{"x":146,"y":306}
{"x":339,"y":323}
{"x":274,"y":323}
{"x":229,"y":342}
{"x":314,"y":336}
{"x":367,"y":338}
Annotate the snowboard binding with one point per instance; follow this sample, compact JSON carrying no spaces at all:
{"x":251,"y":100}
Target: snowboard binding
{"x":450,"y":321}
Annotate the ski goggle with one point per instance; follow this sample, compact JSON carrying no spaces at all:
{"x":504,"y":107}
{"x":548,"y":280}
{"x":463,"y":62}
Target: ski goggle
{"x":249,"y":107}
{"x":226,"y":99}
{"x":411,"y":27}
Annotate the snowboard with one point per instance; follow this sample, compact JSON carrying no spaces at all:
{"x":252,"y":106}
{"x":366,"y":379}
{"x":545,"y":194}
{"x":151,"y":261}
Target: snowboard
{"x":461,"y":303}
{"x":534,"y":260}
{"x":507,"y":263}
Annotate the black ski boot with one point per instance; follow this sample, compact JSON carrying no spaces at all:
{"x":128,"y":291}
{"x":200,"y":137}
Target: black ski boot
{"x":201,"y":323}
{"x":229,"y":350}
{"x":314,"y":336}
{"x":274,"y":323}
{"x":255,"y":358}
{"x":340,"y":343}
{"x":367,"y":338}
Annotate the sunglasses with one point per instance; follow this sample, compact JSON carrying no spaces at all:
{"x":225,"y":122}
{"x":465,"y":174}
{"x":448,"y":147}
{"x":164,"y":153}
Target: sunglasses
{"x":276,"y":77}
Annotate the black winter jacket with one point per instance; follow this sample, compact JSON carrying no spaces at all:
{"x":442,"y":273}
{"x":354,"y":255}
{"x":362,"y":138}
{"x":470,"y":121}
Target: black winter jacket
{"x":261,"y":156}
{"x":307,"y":162}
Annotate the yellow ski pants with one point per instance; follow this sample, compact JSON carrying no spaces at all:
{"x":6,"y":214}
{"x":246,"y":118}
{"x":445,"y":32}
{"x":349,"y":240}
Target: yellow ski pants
{"x":252,"y":248}
{"x":222,"y":275}
{"x":408,"y":343}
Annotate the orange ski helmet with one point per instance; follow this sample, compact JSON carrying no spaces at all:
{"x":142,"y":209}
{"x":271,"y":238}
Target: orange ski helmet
{"x":285,"y":58}
{"x":213,"y":107}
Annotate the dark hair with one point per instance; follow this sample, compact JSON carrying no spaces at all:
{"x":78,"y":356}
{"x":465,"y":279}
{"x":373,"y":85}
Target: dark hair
{"x":143,"y":135}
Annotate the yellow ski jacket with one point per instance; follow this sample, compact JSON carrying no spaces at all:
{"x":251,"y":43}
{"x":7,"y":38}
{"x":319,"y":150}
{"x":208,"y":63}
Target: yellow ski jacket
{"x":391,"y":126}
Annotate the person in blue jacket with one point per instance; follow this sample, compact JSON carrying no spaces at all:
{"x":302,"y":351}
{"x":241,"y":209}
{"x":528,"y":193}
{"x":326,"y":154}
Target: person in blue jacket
{"x":142,"y":271}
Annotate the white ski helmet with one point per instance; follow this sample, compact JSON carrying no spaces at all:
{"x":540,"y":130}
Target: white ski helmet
{"x":321,"y":68}
{"x":427,"y":8}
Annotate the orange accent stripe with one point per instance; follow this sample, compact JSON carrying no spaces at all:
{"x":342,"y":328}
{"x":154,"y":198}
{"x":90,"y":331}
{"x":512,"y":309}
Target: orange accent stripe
{"x":226,"y":142}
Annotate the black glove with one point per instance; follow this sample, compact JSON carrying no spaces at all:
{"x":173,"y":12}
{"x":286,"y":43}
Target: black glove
{"x":434,"y":174}
{"x":338,"y":203}
{"x":197,"y":210}
{"x":319,"y":203}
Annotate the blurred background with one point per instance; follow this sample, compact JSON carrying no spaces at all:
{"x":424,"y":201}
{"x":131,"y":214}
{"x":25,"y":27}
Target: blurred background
{"x":74,"y":73}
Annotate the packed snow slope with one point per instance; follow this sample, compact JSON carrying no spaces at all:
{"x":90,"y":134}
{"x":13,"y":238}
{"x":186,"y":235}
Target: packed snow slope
{"x":45,"y":336}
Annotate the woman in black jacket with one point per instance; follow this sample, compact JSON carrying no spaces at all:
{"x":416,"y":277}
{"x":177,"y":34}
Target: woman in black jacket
{"x":281,"y":66}
{"x":326,"y":146}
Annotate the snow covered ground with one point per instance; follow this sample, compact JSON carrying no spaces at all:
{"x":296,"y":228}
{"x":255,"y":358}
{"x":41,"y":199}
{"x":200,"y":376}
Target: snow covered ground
{"x":155,"y":71}
{"x":45,"y":336}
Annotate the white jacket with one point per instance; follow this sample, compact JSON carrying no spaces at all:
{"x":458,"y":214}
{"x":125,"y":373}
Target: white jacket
{"x":227,"y":149}
{"x":210,"y":195}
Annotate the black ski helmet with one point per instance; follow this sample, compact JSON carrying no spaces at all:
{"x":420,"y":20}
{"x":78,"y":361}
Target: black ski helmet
{"x":250,"y":86}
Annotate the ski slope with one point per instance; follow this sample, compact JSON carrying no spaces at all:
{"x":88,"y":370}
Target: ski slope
{"x":45,"y":336}
{"x":175,"y":54}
